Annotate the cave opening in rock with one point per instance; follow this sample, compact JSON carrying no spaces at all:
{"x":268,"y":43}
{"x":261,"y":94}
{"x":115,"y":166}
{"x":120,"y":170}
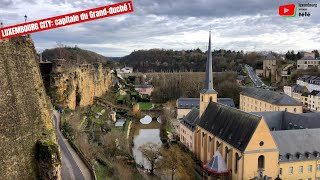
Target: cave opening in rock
{"x":78,"y":97}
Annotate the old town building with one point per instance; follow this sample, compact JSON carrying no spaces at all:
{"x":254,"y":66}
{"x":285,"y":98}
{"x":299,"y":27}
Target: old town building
{"x":279,"y":143}
{"x":260,"y":100}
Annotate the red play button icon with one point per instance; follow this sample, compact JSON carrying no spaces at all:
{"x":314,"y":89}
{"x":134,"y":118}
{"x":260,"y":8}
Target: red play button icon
{"x":287,"y":10}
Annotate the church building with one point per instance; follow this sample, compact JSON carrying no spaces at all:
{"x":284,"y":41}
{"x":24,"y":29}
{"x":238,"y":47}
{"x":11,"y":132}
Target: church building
{"x":253,"y":145}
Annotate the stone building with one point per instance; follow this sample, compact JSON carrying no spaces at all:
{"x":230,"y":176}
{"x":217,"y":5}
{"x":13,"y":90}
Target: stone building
{"x":311,"y":82}
{"x":260,"y":100}
{"x":270,"y":68}
{"x":256,"y":145}
{"x":314,"y":100}
{"x":308,"y":61}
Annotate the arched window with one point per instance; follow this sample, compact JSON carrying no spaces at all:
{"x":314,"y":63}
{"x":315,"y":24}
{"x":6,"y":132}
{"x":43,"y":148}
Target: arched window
{"x":294,"y":109}
{"x":226,"y":155}
{"x":201,"y":98}
{"x":261,"y":162}
{"x":236,"y":163}
{"x":211,"y":99}
{"x":217,"y":145}
{"x":209,"y":146}
{"x":203,"y":134}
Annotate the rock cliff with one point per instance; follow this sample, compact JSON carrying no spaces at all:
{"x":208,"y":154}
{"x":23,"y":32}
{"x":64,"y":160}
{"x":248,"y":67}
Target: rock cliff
{"x":74,"y":85}
{"x":26,"y":128}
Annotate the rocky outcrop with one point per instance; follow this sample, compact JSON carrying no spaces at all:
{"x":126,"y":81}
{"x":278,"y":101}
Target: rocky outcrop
{"x":77,"y":85}
{"x":25,"y":117}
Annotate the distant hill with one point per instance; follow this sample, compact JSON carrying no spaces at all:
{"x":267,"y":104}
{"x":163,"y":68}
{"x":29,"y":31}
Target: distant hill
{"x":157,"y":60}
{"x":164,"y":60}
{"x":74,"y":54}
{"x":187,"y":60}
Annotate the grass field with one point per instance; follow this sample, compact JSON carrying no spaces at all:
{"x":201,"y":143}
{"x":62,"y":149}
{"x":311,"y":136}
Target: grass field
{"x":145,"y":105}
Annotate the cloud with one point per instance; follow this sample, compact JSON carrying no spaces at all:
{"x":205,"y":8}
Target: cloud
{"x":182,"y":24}
{"x":5,"y":3}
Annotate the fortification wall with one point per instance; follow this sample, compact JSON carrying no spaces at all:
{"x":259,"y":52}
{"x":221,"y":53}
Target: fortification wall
{"x":25,"y":118}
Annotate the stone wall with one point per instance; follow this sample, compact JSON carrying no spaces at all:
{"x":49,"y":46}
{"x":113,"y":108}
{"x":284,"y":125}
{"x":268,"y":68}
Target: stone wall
{"x":77,"y":85}
{"x":25,"y":117}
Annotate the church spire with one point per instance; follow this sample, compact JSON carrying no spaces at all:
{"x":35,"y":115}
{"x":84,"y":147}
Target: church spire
{"x":208,"y":94}
{"x":208,"y":84}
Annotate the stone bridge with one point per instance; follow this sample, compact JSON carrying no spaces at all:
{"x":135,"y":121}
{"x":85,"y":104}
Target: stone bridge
{"x":154,"y":113}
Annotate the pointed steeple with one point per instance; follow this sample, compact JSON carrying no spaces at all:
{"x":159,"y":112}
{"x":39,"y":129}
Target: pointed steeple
{"x":208,"y":84}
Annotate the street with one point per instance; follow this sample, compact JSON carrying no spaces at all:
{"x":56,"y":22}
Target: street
{"x":72,"y":167}
{"x":253,"y":76}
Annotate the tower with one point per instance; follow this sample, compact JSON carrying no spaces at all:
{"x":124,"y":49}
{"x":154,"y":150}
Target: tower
{"x":208,"y":94}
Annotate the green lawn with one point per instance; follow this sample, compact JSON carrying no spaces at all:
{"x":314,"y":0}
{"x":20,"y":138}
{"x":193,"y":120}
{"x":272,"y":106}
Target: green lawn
{"x":101,"y":171}
{"x":145,"y":105}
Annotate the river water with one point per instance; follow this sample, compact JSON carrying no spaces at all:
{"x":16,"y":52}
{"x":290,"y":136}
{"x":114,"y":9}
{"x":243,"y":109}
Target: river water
{"x":143,"y":134}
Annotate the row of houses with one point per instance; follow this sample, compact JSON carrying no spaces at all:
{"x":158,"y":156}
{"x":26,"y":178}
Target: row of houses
{"x":306,"y":91}
{"x":308,"y":61}
{"x":267,"y":138}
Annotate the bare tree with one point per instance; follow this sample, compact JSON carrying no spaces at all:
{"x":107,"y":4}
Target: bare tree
{"x":177,"y":162}
{"x":151,"y":152}
{"x":115,"y":143}
{"x":60,"y":46}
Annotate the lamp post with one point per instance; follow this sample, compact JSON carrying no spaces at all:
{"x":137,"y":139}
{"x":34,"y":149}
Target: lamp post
{"x":25,"y":18}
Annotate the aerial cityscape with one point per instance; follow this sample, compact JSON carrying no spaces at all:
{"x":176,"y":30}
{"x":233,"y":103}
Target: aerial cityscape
{"x":159,"y":90}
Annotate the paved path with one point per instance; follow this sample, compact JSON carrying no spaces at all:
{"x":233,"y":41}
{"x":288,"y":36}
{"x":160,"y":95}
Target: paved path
{"x":72,"y":167}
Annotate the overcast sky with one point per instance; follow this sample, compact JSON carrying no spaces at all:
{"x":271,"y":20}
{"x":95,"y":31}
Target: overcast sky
{"x":172,"y":24}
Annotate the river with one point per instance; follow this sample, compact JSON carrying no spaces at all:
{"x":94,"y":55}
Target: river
{"x":143,"y":134}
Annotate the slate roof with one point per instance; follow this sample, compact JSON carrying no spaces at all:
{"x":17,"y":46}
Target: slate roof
{"x":191,"y":119}
{"x":281,"y":120}
{"x":226,"y":101}
{"x":270,"y":96}
{"x":303,"y":142}
{"x":229,"y":124}
{"x":270,"y":56}
{"x":298,"y":88}
{"x":310,"y":79}
{"x":315,"y":93}
{"x":309,"y":58}
{"x":189,"y":103}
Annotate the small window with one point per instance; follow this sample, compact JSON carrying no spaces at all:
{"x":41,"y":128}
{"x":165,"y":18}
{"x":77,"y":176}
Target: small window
{"x":300,"y":169}
{"x":280,"y":171}
{"x":318,"y":167}
{"x":291,"y":170}
{"x":310,"y":168}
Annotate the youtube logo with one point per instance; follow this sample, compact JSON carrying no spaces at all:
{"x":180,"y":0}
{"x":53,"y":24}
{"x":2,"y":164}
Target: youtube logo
{"x":287,"y":10}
